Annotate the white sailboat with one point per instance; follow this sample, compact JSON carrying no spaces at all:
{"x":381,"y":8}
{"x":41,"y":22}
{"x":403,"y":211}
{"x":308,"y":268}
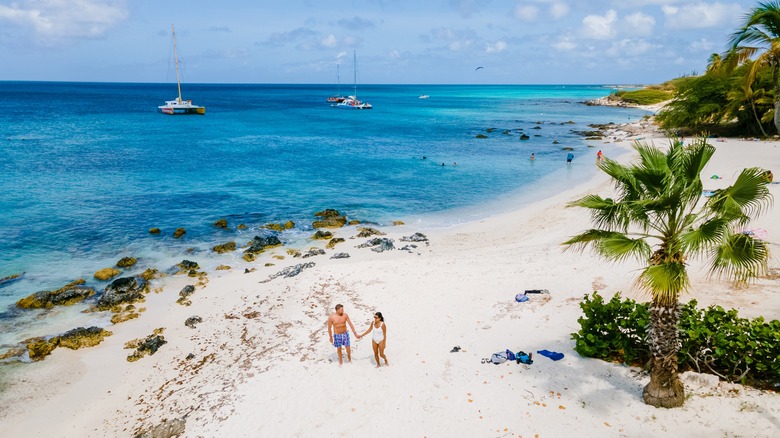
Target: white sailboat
{"x":178,"y":105}
{"x":352,"y":102}
{"x":338,"y":97}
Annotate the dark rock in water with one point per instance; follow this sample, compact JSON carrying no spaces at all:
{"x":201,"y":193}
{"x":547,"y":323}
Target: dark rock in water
{"x":126,"y":262}
{"x":241,"y":227}
{"x":225,"y":247}
{"x":322,"y":235}
{"x":525,"y":137}
{"x":314,"y":252}
{"x":260,"y":244}
{"x":556,"y":142}
{"x":330,"y":222}
{"x":340,"y":255}
{"x":481,"y":136}
{"x":122,"y":290}
{"x":368,"y":232}
{"x":69,"y":294}
{"x":192,"y":320}
{"x":188,"y":265}
{"x":82,"y":337}
{"x":187,"y":291}
{"x":11,"y":278}
{"x":179,"y":232}
{"x":290,"y":271}
{"x":379,"y":243}
{"x":106,"y":274}
{"x":537,"y":127}
{"x":416,"y":237}
{"x":154,"y":231}
{"x":329,"y":212}
{"x":222,"y":223}
{"x":567,"y":149}
{"x":333,"y":242}
{"x":166,"y":429}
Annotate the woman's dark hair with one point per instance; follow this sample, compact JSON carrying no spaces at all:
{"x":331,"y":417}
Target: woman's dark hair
{"x":379,"y":315}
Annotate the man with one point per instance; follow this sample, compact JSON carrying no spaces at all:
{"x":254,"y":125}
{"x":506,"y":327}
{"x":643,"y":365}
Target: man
{"x":337,"y":322}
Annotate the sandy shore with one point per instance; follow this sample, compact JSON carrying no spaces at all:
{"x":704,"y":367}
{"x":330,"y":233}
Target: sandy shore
{"x":262,"y":364}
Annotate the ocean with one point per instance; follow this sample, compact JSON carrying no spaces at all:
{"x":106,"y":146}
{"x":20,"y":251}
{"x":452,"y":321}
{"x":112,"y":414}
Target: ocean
{"x":86,"y":169}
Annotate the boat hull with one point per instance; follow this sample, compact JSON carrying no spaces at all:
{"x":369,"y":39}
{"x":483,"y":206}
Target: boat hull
{"x":178,"y":111}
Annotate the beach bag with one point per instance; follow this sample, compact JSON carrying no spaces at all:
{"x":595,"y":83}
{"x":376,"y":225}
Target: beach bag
{"x":498,"y":358}
{"x":521,"y":298}
{"x":510,"y":356}
{"x":524,"y":358}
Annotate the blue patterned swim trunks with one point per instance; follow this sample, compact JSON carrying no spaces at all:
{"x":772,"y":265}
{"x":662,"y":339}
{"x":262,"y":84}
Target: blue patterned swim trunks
{"x":341,"y":340}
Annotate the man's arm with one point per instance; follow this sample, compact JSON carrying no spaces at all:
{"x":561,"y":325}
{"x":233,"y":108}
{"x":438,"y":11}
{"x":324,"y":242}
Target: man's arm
{"x":351,"y":325}
{"x":330,"y":329}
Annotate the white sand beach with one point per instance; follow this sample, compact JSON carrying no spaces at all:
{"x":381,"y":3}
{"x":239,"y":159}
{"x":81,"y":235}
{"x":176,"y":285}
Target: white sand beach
{"x":263,"y":366}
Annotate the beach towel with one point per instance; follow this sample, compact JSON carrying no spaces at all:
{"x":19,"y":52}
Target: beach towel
{"x":551,"y":354}
{"x":756,"y":233}
{"x":498,"y":358}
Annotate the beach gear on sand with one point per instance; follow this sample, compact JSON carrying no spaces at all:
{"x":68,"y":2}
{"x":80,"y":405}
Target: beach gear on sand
{"x":524,"y":358}
{"x":498,"y":358}
{"x":521,"y":298}
{"x":554,"y":355}
{"x":455,"y":349}
{"x":537,"y":291}
{"x":510,"y":356}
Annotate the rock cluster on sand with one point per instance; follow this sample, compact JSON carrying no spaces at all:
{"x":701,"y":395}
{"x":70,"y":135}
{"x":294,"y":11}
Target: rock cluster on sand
{"x":120,"y":291}
{"x":378,"y":244}
{"x":146,"y":346}
{"x":322,"y":235}
{"x":368,"y":232}
{"x":290,"y":271}
{"x":260,"y":244}
{"x":69,"y":294}
{"x":333,"y":242}
{"x":80,"y":337}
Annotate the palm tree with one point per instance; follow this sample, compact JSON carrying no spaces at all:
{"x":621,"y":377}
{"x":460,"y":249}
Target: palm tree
{"x":760,"y":33}
{"x":658,"y":218}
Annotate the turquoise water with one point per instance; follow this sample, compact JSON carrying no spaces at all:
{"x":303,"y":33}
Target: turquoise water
{"x":88,"y":168}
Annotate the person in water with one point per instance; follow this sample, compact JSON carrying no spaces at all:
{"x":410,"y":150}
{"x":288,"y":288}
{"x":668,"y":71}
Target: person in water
{"x":599,"y":156}
{"x":532,"y":156}
{"x":337,"y":322}
{"x":378,"y":331}
{"x":569,"y":157}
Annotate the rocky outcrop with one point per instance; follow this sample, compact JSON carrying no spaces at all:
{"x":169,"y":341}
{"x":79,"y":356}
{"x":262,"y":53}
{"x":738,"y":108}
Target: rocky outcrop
{"x":192,"y":321}
{"x":260,"y":244}
{"x":82,"y":337}
{"x":368,"y":232}
{"x":179,"y":232}
{"x":330,"y":219}
{"x":222,"y":223}
{"x":106,"y":274}
{"x":313,"y":252}
{"x":11,"y":278}
{"x":146,"y":346}
{"x":333,"y":242}
{"x":322,"y":235}
{"x":120,"y":291}
{"x":416,"y":237}
{"x":39,"y":348}
{"x":184,"y":295}
{"x":126,"y":262}
{"x":223,"y":268}
{"x":279,"y":226}
{"x":151,"y":274}
{"x":378,"y":244}
{"x":340,"y":255}
{"x":398,"y":223}
{"x":69,"y":294}
{"x":154,"y":231}
{"x":225,"y":247}
{"x":290,"y":271}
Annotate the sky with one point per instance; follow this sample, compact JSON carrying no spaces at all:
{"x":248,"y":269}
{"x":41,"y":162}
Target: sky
{"x":396,"y":41}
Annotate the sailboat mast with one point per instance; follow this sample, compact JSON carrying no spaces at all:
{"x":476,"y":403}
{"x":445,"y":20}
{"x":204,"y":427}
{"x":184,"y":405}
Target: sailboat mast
{"x":354,"y":68}
{"x":175,"y":55}
{"x":338,"y":81}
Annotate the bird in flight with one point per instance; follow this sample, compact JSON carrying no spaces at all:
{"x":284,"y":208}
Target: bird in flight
{"x":478,"y":68}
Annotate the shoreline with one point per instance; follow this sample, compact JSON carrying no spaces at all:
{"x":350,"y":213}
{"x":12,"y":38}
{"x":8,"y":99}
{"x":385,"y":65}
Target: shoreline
{"x":262,"y":347}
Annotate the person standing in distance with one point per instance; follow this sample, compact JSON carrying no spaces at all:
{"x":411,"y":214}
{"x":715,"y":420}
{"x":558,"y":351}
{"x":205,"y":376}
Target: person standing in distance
{"x":337,"y":332}
{"x":569,"y":157}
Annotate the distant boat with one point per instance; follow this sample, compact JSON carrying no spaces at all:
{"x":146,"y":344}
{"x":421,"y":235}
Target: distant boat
{"x":352,"y":102}
{"x":424,"y":96}
{"x":338,"y":97}
{"x":178,"y":105}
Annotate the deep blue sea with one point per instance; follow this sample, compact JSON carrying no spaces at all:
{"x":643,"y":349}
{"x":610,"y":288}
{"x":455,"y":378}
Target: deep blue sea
{"x":86,"y":169}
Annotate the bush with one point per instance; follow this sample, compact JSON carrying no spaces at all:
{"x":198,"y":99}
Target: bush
{"x":645,"y":97}
{"x":713,"y":340}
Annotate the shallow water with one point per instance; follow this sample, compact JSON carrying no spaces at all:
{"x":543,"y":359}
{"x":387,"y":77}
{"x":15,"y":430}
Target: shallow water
{"x":88,"y":168}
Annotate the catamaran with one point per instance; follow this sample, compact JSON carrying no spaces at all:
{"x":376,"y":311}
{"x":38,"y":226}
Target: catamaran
{"x":352,"y":102}
{"x":338,"y":97}
{"x":178,"y":105}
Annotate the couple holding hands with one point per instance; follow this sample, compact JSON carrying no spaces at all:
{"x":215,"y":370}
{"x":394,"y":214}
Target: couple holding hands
{"x":339,"y":336}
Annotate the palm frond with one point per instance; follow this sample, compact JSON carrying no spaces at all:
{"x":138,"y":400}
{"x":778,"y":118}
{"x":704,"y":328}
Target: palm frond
{"x":664,"y":282}
{"x":740,"y":257}
{"x":748,"y":196}
{"x":611,"y":245}
{"x":705,"y":236}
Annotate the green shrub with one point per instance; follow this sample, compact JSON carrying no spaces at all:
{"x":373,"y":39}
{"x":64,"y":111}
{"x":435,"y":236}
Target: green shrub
{"x":645,"y":97}
{"x":713,"y":340}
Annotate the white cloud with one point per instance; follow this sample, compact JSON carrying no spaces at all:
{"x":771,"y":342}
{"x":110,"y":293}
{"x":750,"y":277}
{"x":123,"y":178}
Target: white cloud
{"x":600,"y":27}
{"x":329,"y":41}
{"x":639,"y":24}
{"x":565,"y":44}
{"x":559,"y":10}
{"x":700,"y":15}
{"x":702,"y":44}
{"x":395,"y":54}
{"x":54,"y":20}
{"x":497,"y":47}
{"x":526,"y":12}
{"x":467,"y":8}
{"x":630,"y":48}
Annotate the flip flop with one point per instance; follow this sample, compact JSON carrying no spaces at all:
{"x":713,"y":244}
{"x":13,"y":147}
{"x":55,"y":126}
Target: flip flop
{"x":455,"y":349}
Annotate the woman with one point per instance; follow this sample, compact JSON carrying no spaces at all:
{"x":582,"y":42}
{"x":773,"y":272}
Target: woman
{"x":378,"y":337}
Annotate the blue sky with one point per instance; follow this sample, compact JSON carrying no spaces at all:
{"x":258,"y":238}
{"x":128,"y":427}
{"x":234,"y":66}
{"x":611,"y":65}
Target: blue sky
{"x":397,"y":41}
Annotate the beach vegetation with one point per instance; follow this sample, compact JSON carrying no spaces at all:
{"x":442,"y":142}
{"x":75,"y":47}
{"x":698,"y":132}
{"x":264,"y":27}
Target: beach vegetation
{"x":712,"y":340}
{"x":758,"y":39}
{"x":658,"y":218}
{"x":644,"y":96}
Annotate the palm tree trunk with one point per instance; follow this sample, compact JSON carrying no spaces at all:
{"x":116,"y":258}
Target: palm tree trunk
{"x":665,"y":389}
{"x":776,"y":81}
{"x":758,"y":120}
